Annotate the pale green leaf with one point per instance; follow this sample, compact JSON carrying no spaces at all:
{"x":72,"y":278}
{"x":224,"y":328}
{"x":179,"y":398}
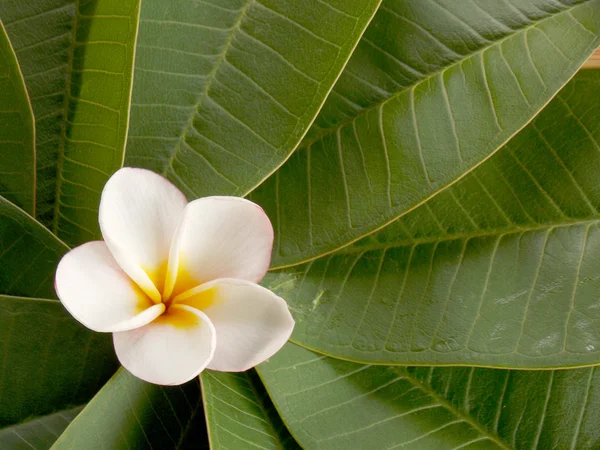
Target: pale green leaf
{"x":501,"y":269}
{"x":240,"y":414}
{"x":225,"y":90}
{"x":129,"y":413}
{"x":29,"y":254}
{"x":331,"y":404}
{"x":50,"y":362}
{"x":78,"y":66}
{"x":411,"y":142}
{"x":39,"y":433}
{"x":17,"y":134}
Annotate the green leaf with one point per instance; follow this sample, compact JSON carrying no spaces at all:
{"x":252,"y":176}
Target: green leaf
{"x":42,"y":56}
{"x":500,"y":270}
{"x":331,"y":404}
{"x":130,"y":413}
{"x":49,"y":361}
{"x":414,"y":141}
{"x":240,"y":414}
{"x":224,"y":91}
{"x":38,"y":433}
{"x":29,"y":254}
{"x":78,"y":67}
{"x":17,"y":134}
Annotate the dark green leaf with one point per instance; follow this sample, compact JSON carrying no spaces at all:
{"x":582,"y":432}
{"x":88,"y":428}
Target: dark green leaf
{"x":240,"y":414}
{"x":17,"y":134}
{"x":42,"y":55}
{"x":331,"y":404}
{"x":29,"y":254}
{"x":225,"y":90}
{"x":129,"y":413}
{"x":49,"y":361}
{"x":39,"y":433}
{"x":412,"y":141}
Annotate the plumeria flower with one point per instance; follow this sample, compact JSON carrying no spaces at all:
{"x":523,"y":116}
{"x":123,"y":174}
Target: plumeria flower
{"x":175,"y":282}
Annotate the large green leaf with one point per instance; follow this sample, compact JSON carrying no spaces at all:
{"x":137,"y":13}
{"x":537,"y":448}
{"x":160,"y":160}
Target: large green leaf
{"x":240,"y":414}
{"x":129,"y":413}
{"x":39,"y":433}
{"x":78,"y":66}
{"x":332,"y":404}
{"x":29,"y":254}
{"x":497,"y":68}
{"x":500,"y":269}
{"x":17,"y":134}
{"x":224,"y":91}
{"x":49,"y":361}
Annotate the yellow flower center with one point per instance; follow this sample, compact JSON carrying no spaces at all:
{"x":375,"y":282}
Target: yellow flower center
{"x":185,"y":290}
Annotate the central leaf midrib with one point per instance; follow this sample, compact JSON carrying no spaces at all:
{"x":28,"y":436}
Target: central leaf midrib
{"x":465,"y":236}
{"x":29,"y":299}
{"x":252,"y":383}
{"x":64,"y":121}
{"x":209,"y":81}
{"x":434,"y":74}
{"x":198,"y":407}
{"x":466,"y":417}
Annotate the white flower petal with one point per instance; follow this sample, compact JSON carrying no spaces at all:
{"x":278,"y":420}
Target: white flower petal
{"x":220,"y":237}
{"x":94,"y":289}
{"x":252,"y":323}
{"x":172,"y":350}
{"x":139,"y":214}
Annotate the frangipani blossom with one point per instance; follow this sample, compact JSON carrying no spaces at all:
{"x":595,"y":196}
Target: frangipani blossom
{"x":175,"y":282}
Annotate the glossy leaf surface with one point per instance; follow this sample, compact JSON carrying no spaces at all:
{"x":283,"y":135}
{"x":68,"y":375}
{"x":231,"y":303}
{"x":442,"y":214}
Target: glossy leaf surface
{"x":412,"y":141}
{"x":224,"y":91}
{"x":17,"y":134}
{"x":500,"y":269}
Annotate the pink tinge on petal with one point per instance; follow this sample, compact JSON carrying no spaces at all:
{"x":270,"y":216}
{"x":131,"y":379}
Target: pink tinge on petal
{"x":220,"y":237}
{"x":251,"y":322}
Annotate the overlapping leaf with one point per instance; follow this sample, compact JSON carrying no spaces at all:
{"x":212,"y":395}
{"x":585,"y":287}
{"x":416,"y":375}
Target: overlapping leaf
{"x":332,"y":404}
{"x":41,"y":35}
{"x":130,"y":413}
{"x":240,"y":414}
{"x":49,"y":362}
{"x":17,"y":134}
{"x":29,"y":254}
{"x":224,"y":91}
{"x":500,"y":269}
{"x":39,"y":433}
{"x":499,"y":64}
{"x":78,"y":65}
